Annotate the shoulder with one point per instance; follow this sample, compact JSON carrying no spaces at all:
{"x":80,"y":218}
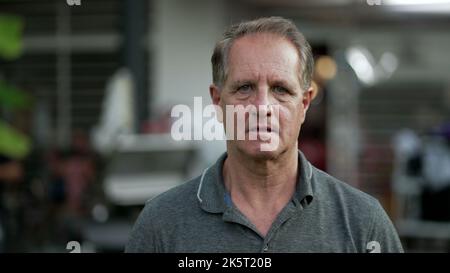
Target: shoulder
{"x":357,"y":212}
{"x":175,"y":200}
{"x":345,"y":205}
{"x":158,"y":216}
{"x":335,"y":190}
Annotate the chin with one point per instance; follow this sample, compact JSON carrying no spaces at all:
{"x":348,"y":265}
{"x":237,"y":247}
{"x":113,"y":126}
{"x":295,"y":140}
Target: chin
{"x":253,"y":149}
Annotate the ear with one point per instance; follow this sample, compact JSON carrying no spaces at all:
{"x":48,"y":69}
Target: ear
{"x":307,"y":98}
{"x":214,"y":92}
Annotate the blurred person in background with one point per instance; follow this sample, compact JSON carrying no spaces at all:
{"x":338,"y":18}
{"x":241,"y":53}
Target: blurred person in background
{"x":73,"y":174}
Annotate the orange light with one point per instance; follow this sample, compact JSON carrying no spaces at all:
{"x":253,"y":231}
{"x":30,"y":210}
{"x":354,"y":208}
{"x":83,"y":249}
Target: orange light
{"x":326,"y":68}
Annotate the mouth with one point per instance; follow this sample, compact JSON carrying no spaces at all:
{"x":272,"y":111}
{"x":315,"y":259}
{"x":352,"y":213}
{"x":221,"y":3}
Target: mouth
{"x":261,"y":129}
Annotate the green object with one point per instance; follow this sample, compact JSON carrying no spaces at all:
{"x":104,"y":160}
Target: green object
{"x":13,"y":144}
{"x":11,"y":29}
{"x":13,"y":98}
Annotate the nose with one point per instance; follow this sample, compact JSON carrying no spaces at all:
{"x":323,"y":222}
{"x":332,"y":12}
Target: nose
{"x":262,"y":101}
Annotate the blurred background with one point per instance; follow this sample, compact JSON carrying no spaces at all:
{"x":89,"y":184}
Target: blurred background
{"x":87,"y":87}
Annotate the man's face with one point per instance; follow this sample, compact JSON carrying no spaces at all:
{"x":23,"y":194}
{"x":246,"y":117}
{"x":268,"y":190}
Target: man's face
{"x":263,"y":73}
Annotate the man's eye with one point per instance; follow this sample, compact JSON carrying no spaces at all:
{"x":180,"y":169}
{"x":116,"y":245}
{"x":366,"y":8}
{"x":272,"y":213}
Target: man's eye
{"x":280,"y":90}
{"x":244,"y":88}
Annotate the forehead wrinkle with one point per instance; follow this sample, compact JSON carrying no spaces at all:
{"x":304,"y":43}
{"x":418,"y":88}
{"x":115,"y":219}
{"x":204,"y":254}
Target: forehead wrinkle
{"x":274,"y":73}
{"x":266,"y":47}
{"x":252,"y":66}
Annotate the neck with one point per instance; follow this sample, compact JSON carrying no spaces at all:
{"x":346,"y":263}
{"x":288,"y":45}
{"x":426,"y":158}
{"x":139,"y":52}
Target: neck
{"x":261,"y":184}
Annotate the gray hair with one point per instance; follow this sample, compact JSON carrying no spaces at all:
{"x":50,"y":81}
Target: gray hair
{"x":273,"y":25}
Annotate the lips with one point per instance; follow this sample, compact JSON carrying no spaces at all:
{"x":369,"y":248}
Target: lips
{"x":263,"y":129}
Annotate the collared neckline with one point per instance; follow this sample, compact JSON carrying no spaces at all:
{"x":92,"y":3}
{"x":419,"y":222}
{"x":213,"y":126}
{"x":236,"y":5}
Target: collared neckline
{"x":213,"y":197}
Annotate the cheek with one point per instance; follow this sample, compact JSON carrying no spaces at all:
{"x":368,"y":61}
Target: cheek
{"x":291,"y":119}
{"x":300,"y":114}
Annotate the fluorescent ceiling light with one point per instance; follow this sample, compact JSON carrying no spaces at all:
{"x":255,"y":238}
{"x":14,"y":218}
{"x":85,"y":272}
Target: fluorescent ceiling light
{"x":415,"y":2}
{"x":419,"y":6}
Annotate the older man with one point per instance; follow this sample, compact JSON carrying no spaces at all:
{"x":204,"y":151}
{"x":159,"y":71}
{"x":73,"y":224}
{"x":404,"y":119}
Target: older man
{"x":263,"y":200}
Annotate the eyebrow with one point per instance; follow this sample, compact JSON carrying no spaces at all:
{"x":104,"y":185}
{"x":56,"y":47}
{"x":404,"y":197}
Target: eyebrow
{"x":275,"y":81}
{"x":284,"y":83}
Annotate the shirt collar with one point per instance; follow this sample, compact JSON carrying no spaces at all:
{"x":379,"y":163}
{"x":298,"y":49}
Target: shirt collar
{"x":213,"y":197}
{"x":305,"y":180}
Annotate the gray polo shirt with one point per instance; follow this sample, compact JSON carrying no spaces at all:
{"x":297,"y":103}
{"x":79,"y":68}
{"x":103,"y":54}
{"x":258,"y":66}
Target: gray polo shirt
{"x":324,"y":215}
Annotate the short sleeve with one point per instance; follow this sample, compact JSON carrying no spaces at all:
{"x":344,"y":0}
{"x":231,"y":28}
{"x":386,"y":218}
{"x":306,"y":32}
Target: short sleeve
{"x":383,"y":237}
{"x":143,"y":235}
